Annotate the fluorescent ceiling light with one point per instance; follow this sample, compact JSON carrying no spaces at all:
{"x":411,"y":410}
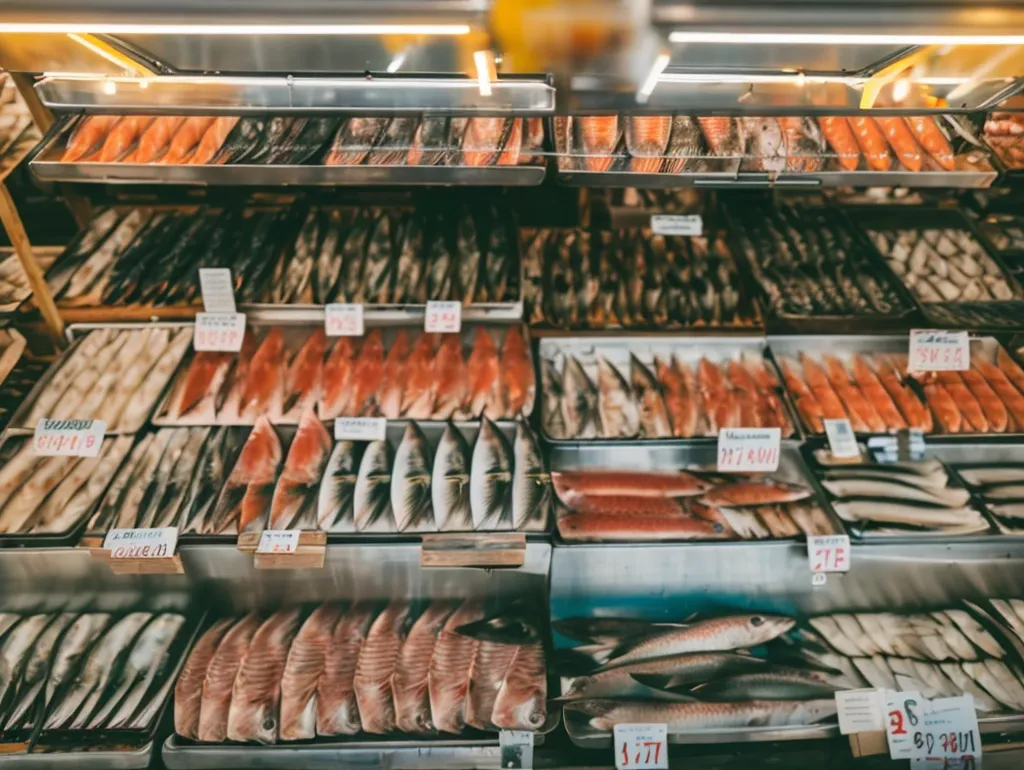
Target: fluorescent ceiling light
{"x":810,"y":38}
{"x":238,"y":29}
{"x":653,"y":77}
{"x":484,"y":65}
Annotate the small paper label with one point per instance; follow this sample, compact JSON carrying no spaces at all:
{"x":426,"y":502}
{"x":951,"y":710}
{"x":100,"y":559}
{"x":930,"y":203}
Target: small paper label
{"x":278,"y":541}
{"x":344,"y":319}
{"x":155,"y":543}
{"x":949,"y":729}
{"x":68,"y":438}
{"x":516,"y":749}
{"x":939,"y":351}
{"x":829,"y":553}
{"x":861,"y":711}
{"x":748,"y":449}
{"x":818,"y":579}
{"x":443,"y":318}
{"x":360,"y":429}
{"x":841,"y":440}
{"x":904,"y":713}
{"x":677,"y":224}
{"x":641,"y":747}
{"x":219,"y":332}
{"x":218,"y":289}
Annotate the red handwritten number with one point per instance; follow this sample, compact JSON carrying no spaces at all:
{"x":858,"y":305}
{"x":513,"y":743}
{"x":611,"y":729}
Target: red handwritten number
{"x":896,"y":723}
{"x":625,"y":754}
{"x":657,"y":752}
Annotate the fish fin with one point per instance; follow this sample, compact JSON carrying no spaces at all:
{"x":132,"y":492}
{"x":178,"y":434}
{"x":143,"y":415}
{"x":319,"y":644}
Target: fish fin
{"x":576,"y":662}
{"x":665,"y":684}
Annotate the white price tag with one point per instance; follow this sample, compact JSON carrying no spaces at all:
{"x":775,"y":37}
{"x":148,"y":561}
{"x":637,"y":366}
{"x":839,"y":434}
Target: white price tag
{"x":156,"y":543}
{"x":829,"y":553}
{"x":278,"y":541}
{"x":748,"y":449}
{"x":860,"y":711}
{"x":904,"y":712}
{"x":68,"y":438}
{"x":219,"y":332}
{"x":676,"y":224}
{"x":218,"y":289}
{"x":841,"y":440}
{"x":641,"y":747}
{"x":443,"y":318}
{"x":949,"y":729}
{"x":939,"y":351}
{"x":360,"y":429}
{"x":344,"y":319}
{"x":516,"y":749}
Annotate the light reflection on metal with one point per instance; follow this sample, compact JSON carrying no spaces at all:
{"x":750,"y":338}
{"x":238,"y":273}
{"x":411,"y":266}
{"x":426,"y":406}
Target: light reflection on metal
{"x":660,"y":63}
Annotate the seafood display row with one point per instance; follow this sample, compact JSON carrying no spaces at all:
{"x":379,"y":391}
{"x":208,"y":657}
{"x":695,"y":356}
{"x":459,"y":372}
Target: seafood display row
{"x":17,"y":130}
{"x":15,"y":387}
{"x":671,"y":391}
{"x":673,"y":144}
{"x":360,"y":669}
{"x":292,"y":141}
{"x":93,"y":671}
{"x":878,"y":394}
{"x":14,"y":286}
{"x":300,"y":255}
{"x":1003,"y":132}
{"x":630,"y":279}
{"x":281,"y":371}
{"x":607,"y":504}
{"x":809,"y":261}
{"x":999,"y":486}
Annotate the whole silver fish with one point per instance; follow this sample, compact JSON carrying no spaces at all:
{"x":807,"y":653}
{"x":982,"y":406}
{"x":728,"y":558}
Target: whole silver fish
{"x":176,"y":447}
{"x":792,"y":684}
{"x":20,"y":663}
{"x":654,"y":421}
{"x":619,"y":415}
{"x":371,"y":496}
{"x":337,"y":489}
{"x":551,"y":401}
{"x":579,"y":402}
{"x":450,"y":484}
{"x":490,"y":480}
{"x":376,"y":277}
{"x":531,"y":483}
{"x":410,"y":478}
{"x":73,"y":646}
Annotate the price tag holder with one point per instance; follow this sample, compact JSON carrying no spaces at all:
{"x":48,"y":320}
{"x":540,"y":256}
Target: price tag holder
{"x":516,"y":749}
{"x":360,"y":429}
{"x":842,"y":441}
{"x":676,"y":224}
{"x":278,"y":541}
{"x":443,"y":318}
{"x":218,"y":289}
{"x":939,"y":351}
{"x":68,"y":438}
{"x":860,"y":711}
{"x":829,"y":553}
{"x":344,"y":319}
{"x":949,"y":729}
{"x":742,"y":450}
{"x":641,"y":747}
{"x":904,"y":713}
{"x":221,"y":332}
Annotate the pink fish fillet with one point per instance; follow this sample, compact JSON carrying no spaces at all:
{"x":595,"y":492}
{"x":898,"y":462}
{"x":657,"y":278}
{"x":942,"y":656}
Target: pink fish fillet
{"x":220,"y":679}
{"x":302,"y":672}
{"x":337,"y":712}
{"x":450,"y":665}
{"x":376,"y":665}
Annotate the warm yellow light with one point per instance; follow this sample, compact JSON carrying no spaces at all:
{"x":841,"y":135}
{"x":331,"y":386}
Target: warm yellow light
{"x":484,"y":66}
{"x":238,"y":29}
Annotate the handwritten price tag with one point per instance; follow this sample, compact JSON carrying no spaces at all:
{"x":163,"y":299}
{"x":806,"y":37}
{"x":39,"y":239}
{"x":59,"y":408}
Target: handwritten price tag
{"x":939,"y":351}
{"x":219,"y":331}
{"x":516,"y":749}
{"x":904,"y":712}
{"x":829,"y":553}
{"x":748,"y":449}
{"x":68,"y":438}
{"x":360,"y":429}
{"x":344,"y":319}
{"x":278,"y":541}
{"x":641,"y":747}
{"x":443,"y":318}
{"x":841,"y":440}
{"x":860,"y":711}
{"x":154,"y":543}
{"x":949,"y":729}
{"x":218,"y":289}
{"x":676,"y":224}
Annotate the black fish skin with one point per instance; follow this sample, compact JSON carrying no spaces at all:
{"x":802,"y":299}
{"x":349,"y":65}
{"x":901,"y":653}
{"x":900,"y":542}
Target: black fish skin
{"x":241,"y":142}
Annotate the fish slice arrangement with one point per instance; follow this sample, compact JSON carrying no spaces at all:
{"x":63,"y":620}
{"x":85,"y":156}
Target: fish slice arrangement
{"x":14,"y":285}
{"x":362,"y":669}
{"x":1004,"y":232}
{"x":254,"y":141}
{"x":632,"y":279}
{"x":282,"y":371}
{"x":808,"y":261}
{"x":999,"y":486}
{"x":114,"y":375}
{"x":15,"y":387}
{"x":671,"y":391}
{"x":1003,"y":133}
{"x":697,"y":676}
{"x":18,"y":132}
{"x":92,"y":671}
{"x":877,"y":394}
{"x":608,"y":504}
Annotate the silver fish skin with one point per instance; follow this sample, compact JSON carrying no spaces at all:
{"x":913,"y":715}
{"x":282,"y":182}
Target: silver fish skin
{"x":619,"y":415}
{"x":551,"y":401}
{"x":468,"y":265}
{"x":579,"y":402}
{"x":490,"y":479}
{"x":410,"y":478}
{"x":337,"y":489}
{"x":440,"y":267}
{"x":353,"y":256}
{"x":176,"y":446}
{"x":76,"y":642}
{"x":449,"y":488}
{"x":328,"y":260}
{"x":430,"y":142}
{"x":33,"y":676}
{"x":531,"y":483}
{"x":410,"y":286}
{"x":16,"y":650}
{"x":378,"y":265}
{"x":653,"y":414}
{"x":686,"y":142}
{"x":770,"y":685}
{"x":371,"y":496}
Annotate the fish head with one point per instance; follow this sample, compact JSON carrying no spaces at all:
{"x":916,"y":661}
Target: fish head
{"x":763,"y":628}
{"x":501,"y":629}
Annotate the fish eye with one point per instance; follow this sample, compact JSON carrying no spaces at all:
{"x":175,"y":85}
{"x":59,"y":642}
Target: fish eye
{"x":269,"y":724}
{"x":756,"y":620}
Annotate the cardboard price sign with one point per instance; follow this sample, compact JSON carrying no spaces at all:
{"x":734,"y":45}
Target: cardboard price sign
{"x":742,"y":450}
{"x":278,"y":541}
{"x":443,"y":318}
{"x":829,"y":553}
{"x":68,"y":438}
{"x":153,"y":543}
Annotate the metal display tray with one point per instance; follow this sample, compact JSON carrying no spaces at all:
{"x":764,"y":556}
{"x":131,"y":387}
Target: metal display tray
{"x":685,"y":348}
{"x":89,"y":759}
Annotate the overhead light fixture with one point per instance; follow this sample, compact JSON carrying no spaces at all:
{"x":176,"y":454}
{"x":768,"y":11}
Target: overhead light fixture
{"x":103,"y":50}
{"x":237,"y":29}
{"x":901,"y":89}
{"x":653,"y":77}
{"x":486,"y":72}
{"x":395,"y":64}
{"x":811,"y":38}
{"x":109,"y":87}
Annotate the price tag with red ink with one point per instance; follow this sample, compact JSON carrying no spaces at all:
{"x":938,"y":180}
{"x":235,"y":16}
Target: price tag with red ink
{"x":218,"y":289}
{"x":641,"y":747}
{"x":677,"y":224}
{"x":443,"y":318}
{"x":219,"y":332}
{"x":829,"y":553}
{"x":152,"y":543}
{"x":68,"y":438}
{"x":939,"y":351}
{"x":742,"y":450}
{"x":344,"y":319}
{"x":904,"y":713}
{"x":278,"y":541}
